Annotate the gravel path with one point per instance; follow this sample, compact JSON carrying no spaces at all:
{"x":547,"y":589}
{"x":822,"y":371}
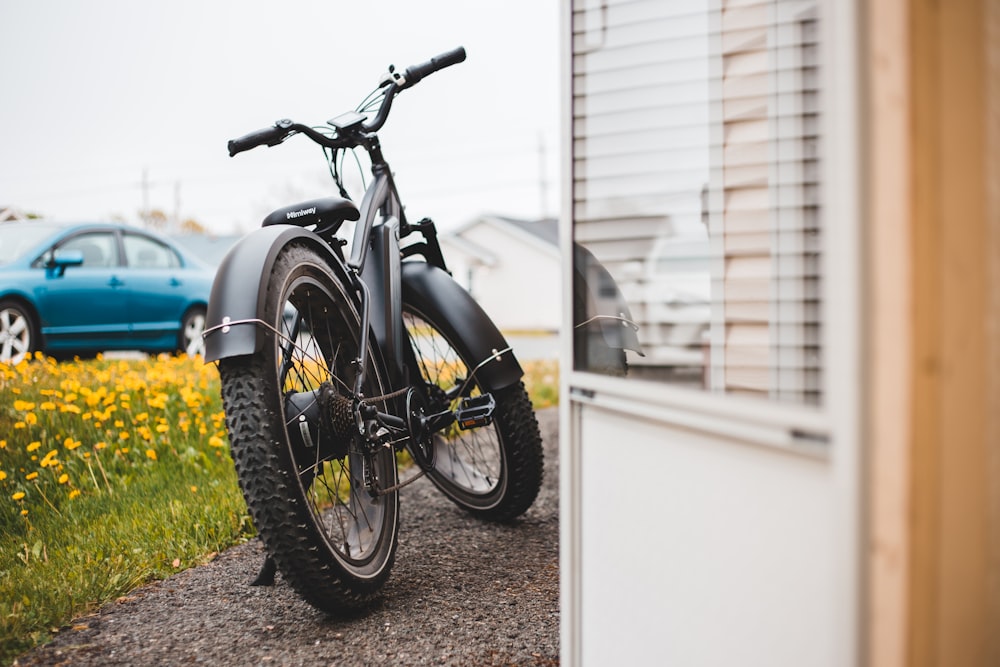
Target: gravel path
{"x":462,"y":592}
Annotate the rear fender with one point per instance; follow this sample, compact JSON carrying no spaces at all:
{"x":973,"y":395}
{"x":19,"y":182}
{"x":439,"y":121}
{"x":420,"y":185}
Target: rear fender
{"x":236,"y":304}
{"x":434,"y":293}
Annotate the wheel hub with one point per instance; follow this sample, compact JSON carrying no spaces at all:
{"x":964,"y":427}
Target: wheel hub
{"x":421,"y":435}
{"x":320,"y":418}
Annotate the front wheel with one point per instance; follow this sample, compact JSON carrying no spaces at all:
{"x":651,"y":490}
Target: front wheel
{"x":324,"y":503}
{"x":495,"y":471}
{"x":17,"y":332}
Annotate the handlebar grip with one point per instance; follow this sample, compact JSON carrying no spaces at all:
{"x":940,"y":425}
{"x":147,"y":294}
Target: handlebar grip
{"x":417,"y":72}
{"x":269,"y":135}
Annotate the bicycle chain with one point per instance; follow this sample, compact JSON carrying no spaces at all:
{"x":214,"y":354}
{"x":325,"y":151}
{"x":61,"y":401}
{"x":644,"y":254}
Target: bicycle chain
{"x":385,"y":397}
{"x":397,"y":487}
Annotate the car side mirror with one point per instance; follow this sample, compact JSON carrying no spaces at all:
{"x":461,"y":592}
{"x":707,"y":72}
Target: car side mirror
{"x":60,"y":259}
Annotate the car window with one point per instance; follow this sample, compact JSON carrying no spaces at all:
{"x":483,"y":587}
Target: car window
{"x":142,"y":252}
{"x":99,"y":249}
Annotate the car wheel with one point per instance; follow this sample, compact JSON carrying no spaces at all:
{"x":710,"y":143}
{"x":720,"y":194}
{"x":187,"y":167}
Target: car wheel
{"x":18,"y":337}
{"x":190,"y":341}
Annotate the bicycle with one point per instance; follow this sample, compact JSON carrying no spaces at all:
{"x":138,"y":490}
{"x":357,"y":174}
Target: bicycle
{"x":341,"y":356}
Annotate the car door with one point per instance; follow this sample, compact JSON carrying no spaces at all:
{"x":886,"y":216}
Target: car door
{"x":86,"y":306}
{"x":157,"y":291}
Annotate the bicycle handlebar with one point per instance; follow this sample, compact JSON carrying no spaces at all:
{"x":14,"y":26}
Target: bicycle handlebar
{"x":282,"y":129}
{"x":272,"y":136}
{"x":417,"y":72}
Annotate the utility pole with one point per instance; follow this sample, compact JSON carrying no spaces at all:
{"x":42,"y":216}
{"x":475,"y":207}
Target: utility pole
{"x":177,"y":207}
{"x":144,"y":214}
{"x":543,"y":180}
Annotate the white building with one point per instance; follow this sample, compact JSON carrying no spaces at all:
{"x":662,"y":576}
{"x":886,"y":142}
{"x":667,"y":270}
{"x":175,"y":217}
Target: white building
{"x":512,"y":269}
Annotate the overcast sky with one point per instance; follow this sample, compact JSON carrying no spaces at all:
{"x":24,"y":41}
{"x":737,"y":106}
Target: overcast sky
{"x":93,"y":94}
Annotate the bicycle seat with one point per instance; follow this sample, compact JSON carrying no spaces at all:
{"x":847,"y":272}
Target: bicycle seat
{"x":327,"y":213}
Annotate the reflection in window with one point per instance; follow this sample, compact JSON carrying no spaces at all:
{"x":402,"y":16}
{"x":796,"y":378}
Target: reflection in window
{"x":696,"y":188}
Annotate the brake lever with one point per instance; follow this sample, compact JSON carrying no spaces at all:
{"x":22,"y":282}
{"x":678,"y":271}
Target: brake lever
{"x":390,"y":77}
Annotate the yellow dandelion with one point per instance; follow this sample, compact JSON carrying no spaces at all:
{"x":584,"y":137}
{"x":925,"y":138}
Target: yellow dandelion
{"x":3,"y":444}
{"x":216,"y":441}
{"x":19,"y":495}
{"x":3,"y":475}
{"x":23,"y":406}
{"x":24,"y":512}
{"x":124,"y":435}
{"x":100,"y":445}
{"x":18,"y":425}
{"x":31,"y":419}
{"x":71,"y":444}
{"x":63,"y":478}
{"x":31,"y":475}
{"x":151,"y":454}
{"x":119,"y":423}
{"x":124,"y":450}
{"x":74,"y":493}
{"x":141,"y":417}
{"x":32,"y":446}
{"x":194,"y":489}
{"x":48,"y":406}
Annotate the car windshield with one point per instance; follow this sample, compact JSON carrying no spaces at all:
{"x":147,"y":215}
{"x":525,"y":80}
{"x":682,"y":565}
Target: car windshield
{"x":17,"y":239}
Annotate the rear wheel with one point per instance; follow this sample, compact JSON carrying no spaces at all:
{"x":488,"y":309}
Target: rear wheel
{"x":315,"y":490}
{"x":18,"y":337}
{"x":495,"y":471}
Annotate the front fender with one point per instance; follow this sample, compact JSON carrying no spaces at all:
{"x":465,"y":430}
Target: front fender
{"x":435,"y":294}
{"x":236,"y":303}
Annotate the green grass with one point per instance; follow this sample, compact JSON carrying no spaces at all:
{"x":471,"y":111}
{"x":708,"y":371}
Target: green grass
{"x":541,"y":379}
{"x":114,"y":474}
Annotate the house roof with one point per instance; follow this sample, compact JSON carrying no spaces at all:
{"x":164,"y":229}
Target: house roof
{"x":546,"y":229}
{"x":543,"y":234}
{"x":9,"y":213}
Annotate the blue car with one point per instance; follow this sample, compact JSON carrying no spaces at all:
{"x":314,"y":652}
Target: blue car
{"x":70,"y":289}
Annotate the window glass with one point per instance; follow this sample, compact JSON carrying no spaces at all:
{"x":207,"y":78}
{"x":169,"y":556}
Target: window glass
{"x":99,"y":249}
{"x":696,"y":195}
{"x":142,"y":252}
{"x":16,"y":239}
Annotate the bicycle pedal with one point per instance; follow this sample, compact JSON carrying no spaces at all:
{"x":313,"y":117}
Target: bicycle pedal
{"x":476,"y":411}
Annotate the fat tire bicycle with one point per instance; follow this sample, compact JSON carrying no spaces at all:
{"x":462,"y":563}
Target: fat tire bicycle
{"x":338,"y":355}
